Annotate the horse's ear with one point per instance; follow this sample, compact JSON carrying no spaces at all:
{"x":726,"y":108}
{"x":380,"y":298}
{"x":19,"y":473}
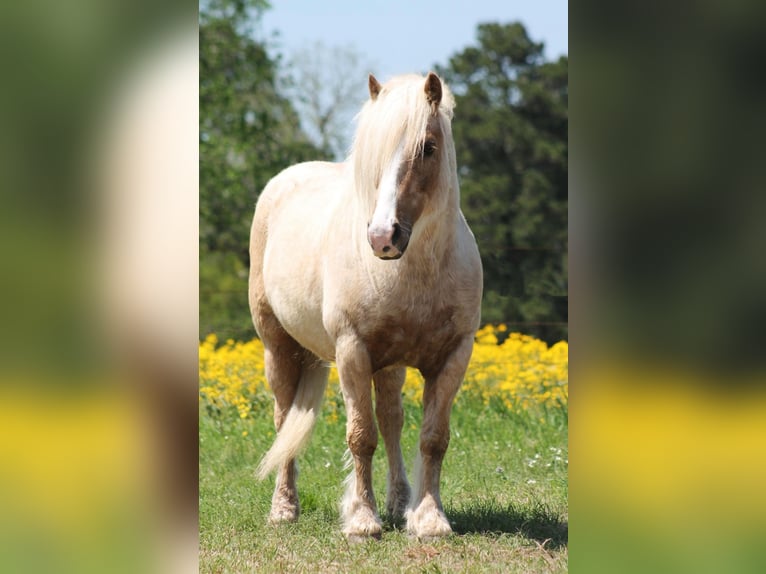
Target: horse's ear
{"x":374,"y":86}
{"x":433,"y":90}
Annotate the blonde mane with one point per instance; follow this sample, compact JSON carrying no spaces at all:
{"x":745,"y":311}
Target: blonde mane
{"x":399,"y":114}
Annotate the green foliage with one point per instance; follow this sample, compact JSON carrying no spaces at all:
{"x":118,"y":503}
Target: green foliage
{"x":248,"y":133}
{"x":511,"y":134}
{"x":239,"y":12}
{"x":223,"y":297}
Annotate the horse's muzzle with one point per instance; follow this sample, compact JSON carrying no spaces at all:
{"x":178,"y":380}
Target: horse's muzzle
{"x":388,"y":242}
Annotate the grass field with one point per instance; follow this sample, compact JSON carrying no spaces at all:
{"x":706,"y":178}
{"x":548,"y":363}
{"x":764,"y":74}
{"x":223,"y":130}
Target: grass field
{"x":504,"y":481}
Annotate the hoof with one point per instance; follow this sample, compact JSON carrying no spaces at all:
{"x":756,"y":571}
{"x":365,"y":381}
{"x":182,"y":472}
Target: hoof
{"x":427,"y":522}
{"x":362,"y":526}
{"x":282,"y":514}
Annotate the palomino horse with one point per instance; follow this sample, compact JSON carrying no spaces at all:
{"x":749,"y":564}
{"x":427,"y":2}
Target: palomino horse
{"x":369,"y":263}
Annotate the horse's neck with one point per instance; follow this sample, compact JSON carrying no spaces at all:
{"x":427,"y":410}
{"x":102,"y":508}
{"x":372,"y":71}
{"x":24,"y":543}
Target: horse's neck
{"x":435,"y":238}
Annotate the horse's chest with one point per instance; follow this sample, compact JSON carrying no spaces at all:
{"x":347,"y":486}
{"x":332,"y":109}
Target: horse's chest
{"x":422,"y":341}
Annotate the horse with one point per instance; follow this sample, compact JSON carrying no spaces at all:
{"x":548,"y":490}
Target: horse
{"x":369,"y":263}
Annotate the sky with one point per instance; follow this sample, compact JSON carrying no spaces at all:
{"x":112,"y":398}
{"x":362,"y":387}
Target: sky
{"x":402,"y":36}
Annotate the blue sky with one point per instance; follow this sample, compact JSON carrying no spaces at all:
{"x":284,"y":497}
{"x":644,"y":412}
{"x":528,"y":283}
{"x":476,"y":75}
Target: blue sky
{"x":401,"y":36}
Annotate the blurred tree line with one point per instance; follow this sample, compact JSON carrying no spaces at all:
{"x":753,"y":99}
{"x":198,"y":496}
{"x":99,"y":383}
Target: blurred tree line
{"x":510,"y":131}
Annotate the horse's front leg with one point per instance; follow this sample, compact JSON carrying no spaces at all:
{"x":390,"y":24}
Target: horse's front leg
{"x":425,"y":514}
{"x":358,"y":508}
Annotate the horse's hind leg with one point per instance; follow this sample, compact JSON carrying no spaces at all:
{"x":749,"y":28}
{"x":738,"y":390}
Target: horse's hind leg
{"x":390,"y":415}
{"x":283,"y":358}
{"x":283,"y":372}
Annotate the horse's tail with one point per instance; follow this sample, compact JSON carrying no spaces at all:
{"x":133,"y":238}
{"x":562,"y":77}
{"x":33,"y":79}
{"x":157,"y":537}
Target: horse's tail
{"x":295,"y":432}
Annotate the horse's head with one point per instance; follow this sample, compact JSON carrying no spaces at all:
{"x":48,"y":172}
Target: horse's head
{"x":404,"y":185}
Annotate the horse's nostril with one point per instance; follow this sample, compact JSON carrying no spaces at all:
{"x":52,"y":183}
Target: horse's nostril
{"x":386,"y":249}
{"x":397,"y":233}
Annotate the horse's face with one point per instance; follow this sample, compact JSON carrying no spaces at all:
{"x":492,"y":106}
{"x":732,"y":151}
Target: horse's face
{"x":407,"y":183}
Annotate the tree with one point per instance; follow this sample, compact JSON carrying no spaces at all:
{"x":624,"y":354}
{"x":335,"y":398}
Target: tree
{"x":248,"y":133}
{"x":328,"y":85}
{"x":511,"y":130}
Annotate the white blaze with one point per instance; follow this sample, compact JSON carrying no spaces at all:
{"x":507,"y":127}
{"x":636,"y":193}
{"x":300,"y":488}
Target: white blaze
{"x":385,"y":208}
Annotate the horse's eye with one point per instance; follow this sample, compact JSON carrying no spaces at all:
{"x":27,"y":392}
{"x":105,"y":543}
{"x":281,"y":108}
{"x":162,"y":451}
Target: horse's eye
{"x":429,"y":148}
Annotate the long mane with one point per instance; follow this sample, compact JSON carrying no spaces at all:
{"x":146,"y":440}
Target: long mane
{"x":399,"y":114}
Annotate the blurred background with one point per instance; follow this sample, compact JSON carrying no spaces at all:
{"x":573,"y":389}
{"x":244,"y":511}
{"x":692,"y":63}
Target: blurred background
{"x":668,"y":404}
{"x":98,"y":296}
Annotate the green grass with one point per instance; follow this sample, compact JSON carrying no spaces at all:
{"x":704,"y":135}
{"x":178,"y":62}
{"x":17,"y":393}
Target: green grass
{"x":504,"y":488}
